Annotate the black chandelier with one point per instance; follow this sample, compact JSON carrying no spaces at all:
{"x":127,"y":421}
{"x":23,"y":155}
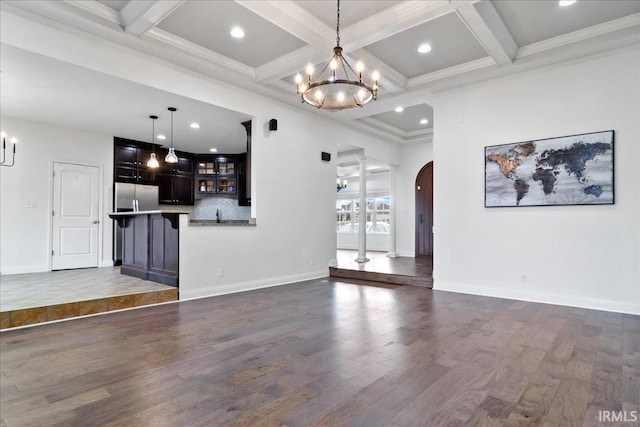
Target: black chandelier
{"x":343,"y":86}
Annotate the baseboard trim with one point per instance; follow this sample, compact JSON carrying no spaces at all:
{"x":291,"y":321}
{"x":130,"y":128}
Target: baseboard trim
{"x":232,"y":288}
{"x":589,"y":303}
{"x":23,"y":269}
{"x":406,"y":254}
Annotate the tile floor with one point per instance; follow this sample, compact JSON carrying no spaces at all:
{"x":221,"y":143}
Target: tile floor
{"x":39,"y":297}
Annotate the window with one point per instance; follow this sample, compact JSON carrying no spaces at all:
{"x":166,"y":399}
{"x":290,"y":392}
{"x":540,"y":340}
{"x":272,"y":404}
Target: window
{"x":377,"y":215}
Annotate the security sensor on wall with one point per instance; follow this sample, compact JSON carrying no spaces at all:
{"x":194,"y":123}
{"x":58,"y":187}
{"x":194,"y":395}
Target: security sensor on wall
{"x":273,"y":125}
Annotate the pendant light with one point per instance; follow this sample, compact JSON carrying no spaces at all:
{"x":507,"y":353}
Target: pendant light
{"x":171,"y":157}
{"x":153,"y":161}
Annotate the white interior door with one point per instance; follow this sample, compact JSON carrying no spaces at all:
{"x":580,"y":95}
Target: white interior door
{"x":76,"y":206}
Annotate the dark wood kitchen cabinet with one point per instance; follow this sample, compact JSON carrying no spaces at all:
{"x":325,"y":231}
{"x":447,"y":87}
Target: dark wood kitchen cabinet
{"x":183,"y":167}
{"x":216,"y":175}
{"x":244,"y":170}
{"x":175,"y":189}
{"x":130,"y":161}
{"x":175,"y":180}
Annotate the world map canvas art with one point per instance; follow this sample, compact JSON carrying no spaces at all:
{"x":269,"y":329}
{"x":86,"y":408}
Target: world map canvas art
{"x":569,"y":170}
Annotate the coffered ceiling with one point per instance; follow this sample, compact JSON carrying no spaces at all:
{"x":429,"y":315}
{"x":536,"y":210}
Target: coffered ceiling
{"x":471,"y":41}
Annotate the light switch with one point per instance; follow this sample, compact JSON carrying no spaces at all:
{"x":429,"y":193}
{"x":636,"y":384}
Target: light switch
{"x":31,"y":205}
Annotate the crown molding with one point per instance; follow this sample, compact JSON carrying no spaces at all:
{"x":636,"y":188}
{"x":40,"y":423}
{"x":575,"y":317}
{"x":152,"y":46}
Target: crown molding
{"x":199,"y":51}
{"x":405,"y":135}
{"x":580,"y":35}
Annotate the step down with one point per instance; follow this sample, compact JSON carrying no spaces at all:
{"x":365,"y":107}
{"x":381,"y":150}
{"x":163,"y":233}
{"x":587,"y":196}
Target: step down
{"x":33,"y":315}
{"x":395,"y":279}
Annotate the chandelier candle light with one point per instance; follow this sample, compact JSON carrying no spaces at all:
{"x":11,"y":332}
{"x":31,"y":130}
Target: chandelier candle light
{"x":153,"y":161}
{"x":341,"y":185}
{"x":14,"y":142}
{"x":342,"y":88}
{"x":171,"y":157}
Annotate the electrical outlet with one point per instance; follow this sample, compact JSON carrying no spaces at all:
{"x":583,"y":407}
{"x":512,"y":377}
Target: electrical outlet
{"x":220,"y":272}
{"x":523,"y":277}
{"x":31,"y":205}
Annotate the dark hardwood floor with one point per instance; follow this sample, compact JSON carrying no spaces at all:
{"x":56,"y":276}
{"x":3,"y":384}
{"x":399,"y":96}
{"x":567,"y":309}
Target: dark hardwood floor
{"x":325,"y":353}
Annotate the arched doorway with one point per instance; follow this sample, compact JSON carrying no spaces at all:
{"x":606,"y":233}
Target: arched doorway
{"x":424,"y":211}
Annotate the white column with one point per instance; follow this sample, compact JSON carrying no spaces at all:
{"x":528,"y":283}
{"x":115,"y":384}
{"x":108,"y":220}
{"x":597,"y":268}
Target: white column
{"x":392,"y":213}
{"x":362,"y":214}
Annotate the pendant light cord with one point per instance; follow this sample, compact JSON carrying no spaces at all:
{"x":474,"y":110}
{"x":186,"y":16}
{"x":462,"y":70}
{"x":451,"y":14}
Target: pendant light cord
{"x":172,"y":129}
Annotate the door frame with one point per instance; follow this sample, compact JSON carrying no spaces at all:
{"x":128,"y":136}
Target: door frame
{"x":100,"y":207}
{"x":415,"y":206}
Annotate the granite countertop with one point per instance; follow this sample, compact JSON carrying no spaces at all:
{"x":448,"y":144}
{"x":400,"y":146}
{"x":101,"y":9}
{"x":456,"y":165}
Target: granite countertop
{"x":158,"y":211}
{"x":223,"y":223}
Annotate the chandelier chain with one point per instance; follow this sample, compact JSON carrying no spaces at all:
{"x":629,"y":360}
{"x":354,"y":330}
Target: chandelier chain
{"x":338,"y":27}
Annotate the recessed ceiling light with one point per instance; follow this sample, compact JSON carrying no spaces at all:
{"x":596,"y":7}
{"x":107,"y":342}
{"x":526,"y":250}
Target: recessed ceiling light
{"x":564,"y":3}
{"x":161,"y":137}
{"x":195,"y":125}
{"x":424,"y":48}
{"x":399,"y":109}
{"x":424,"y":121}
{"x":237,"y":32}
{"x":213,"y":150}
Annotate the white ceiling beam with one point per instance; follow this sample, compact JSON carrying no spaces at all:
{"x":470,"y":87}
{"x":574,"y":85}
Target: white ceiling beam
{"x":299,"y":22}
{"x":390,"y":79}
{"x":396,"y":19}
{"x":456,"y":70}
{"x":97,"y":9}
{"x":139,"y":16}
{"x":183,"y":45}
{"x":295,"y":20}
{"x":485,"y":24}
{"x":281,"y":67}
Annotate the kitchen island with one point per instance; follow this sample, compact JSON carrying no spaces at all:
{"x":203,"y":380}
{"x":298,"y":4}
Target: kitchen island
{"x":150,"y":246}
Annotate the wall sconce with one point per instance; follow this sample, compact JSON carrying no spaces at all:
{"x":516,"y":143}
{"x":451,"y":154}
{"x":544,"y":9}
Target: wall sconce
{"x":14,"y":142}
{"x":341,"y":185}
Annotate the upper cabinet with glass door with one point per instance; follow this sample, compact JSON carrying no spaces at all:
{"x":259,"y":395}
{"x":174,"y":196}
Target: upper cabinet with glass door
{"x":216,"y":175}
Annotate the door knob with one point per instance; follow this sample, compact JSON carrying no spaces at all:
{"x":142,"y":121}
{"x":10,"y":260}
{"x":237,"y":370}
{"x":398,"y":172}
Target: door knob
{"x":421,"y":219}
{"x":96,"y":221}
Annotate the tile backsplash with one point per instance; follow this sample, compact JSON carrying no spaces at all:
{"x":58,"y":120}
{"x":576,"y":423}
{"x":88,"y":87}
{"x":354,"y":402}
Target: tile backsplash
{"x":229,"y":209}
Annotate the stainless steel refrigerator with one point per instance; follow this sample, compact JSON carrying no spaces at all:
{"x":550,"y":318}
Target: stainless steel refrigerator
{"x":130,"y":198}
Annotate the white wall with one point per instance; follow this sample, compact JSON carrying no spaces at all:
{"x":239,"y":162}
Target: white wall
{"x":294,"y":238}
{"x":25,"y":233}
{"x":575,"y":255}
{"x":413,"y":157}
